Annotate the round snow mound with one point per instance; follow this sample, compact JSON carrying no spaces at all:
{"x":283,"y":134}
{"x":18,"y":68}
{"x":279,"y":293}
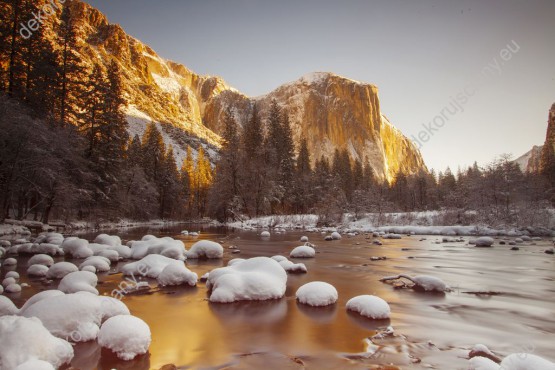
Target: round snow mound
{"x":12,"y":274}
{"x":257,"y":278}
{"x":25,"y":339}
{"x":177,"y":274}
{"x":335,"y":235}
{"x":127,"y":336}
{"x":304,"y":238}
{"x":370,"y":306}
{"x":37,"y":270}
{"x":304,"y":251}
{"x":79,"y":281}
{"x":10,"y":262}
{"x":205,"y":249}
{"x":484,"y":241}
{"x":41,"y":259}
{"x":317,"y":293}
{"x":60,"y":269}
{"x":265,"y":234}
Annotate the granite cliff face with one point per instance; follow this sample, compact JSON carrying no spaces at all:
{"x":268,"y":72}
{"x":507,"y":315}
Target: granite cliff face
{"x":530,"y":161}
{"x":328,"y":110}
{"x":547,"y":162}
{"x":541,"y":157}
{"x":331,"y":112}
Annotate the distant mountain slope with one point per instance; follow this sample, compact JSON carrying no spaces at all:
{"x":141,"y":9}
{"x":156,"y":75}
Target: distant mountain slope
{"x":530,"y":161}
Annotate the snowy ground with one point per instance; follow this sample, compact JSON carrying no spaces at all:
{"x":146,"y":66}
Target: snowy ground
{"x":417,"y":223}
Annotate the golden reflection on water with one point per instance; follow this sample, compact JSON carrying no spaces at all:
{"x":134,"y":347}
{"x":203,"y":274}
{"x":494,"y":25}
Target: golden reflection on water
{"x":187,"y":330}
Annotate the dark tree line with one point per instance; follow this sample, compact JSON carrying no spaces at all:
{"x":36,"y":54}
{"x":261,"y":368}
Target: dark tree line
{"x":258,"y":174}
{"x":65,"y":150}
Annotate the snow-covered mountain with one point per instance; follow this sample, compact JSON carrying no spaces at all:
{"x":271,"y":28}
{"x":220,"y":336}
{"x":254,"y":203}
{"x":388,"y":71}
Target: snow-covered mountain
{"x":328,"y":110}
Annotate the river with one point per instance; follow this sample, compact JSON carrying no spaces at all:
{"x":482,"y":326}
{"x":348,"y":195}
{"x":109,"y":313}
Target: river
{"x":515,"y":313}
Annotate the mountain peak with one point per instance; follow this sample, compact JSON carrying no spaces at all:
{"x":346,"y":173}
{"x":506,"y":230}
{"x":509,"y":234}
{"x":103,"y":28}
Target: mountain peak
{"x":319,"y":77}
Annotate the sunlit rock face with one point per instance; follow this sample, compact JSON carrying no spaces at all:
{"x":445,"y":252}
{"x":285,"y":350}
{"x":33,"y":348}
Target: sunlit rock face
{"x":530,"y":161}
{"x":332,"y":112}
{"x":548,"y":150}
{"x":328,"y":110}
{"x":156,"y":89}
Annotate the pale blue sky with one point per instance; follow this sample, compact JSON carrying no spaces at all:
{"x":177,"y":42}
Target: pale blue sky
{"x":419,"y":53}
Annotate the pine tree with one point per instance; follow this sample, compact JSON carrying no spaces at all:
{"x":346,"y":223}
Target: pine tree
{"x":169,"y":186}
{"x":93,"y":109}
{"x":113,"y":127}
{"x":303,"y":179}
{"x":189,"y":167}
{"x":153,"y":151}
{"x":255,"y":173}
{"x":202,"y":181}
{"x":71,"y":70}
{"x":253,"y":135}
{"x":225,"y":190}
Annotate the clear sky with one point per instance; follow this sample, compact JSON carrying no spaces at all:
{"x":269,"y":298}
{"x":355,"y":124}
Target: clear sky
{"x":420,"y":54}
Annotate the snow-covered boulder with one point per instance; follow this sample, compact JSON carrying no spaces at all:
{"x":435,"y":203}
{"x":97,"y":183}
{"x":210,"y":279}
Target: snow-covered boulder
{"x":304,"y":238}
{"x":88,"y":268}
{"x":12,"y":274}
{"x":111,"y":240}
{"x":525,"y":361}
{"x":335,"y":235}
{"x":370,"y":306}
{"x":79,"y":281}
{"x":7,"y":307}
{"x":123,"y":250}
{"x":175,"y":274}
{"x":127,"y":336}
{"x":233,"y":261}
{"x":317,"y":293}
{"x":303,"y":251}
{"x":26,"y":339}
{"x":425,"y":283}
{"x":60,"y":269}
{"x":279,"y":258}
{"x":50,"y":238}
{"x":515,"y":361}
{"x":258,"y":278}
{"x":76,"y":247}
{"x":37,"y":270}
{"x":37,"y":297}
{"x":110,"y":307}
{"x":41,"y":259}
{"x":150,"y":266}
{"x":265,"y":234}
{"x":101,"y":264}
{"x":392,"y":236}
{"x":10,"y":262}
{"x":74,"y":317}
{"x":13,"y":288}
{"x":8,"y":281}
{"x":484,"y":241}
{"x":150,"y":244}
{"x":205,"y":249}
{"x":48,"y":248}
{"x":111,"y":254}
{"x":482,"y":363}
{"x":291,"y":267}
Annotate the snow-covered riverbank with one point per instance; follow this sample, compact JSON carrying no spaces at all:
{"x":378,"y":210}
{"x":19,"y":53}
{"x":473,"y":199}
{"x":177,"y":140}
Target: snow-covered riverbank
{"x":418,"y":223}
{"x":15,"y":227}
